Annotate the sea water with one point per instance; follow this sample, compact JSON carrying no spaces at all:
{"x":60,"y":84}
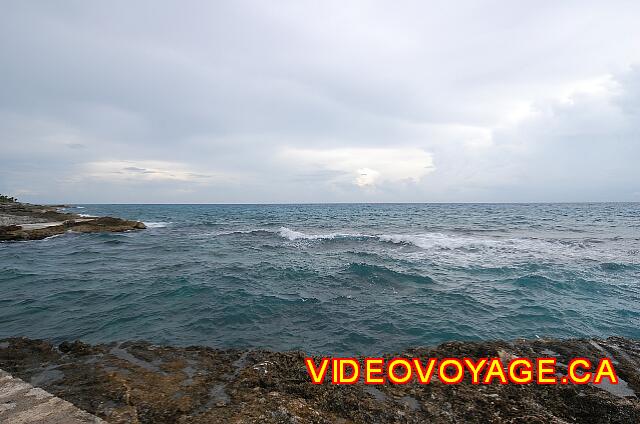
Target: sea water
{"x":336,"y":278}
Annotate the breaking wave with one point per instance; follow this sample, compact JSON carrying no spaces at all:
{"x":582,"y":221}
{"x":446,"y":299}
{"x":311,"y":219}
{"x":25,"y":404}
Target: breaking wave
{"x":156,"y":224}
{"x":427,"y":241}
{"x":293,"y":235}
{"x":465,"y":248}
{"x":438,"y":240}
{"x":234,"y":232}
{"x":423,"y":241}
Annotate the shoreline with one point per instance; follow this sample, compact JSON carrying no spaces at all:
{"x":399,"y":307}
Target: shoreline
{"x":24,"y":221}
{"x":136,"y":381}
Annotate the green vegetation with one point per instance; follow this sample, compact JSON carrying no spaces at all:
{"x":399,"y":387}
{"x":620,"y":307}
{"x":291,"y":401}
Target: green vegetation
{"x":7,"y":199}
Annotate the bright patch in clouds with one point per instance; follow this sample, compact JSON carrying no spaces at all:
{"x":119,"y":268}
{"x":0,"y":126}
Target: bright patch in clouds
{"x":366,"y":177}
{"x":365,"y":167}
{"x":604,"y":85}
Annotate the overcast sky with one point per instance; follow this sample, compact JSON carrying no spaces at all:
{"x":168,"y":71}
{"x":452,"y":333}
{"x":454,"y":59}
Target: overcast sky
{"x":325,"y":101}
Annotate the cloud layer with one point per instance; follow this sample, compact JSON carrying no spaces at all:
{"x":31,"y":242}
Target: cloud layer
{"x":248,"y":101}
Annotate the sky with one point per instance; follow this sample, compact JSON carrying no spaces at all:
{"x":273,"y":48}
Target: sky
{"x":320,"y":101}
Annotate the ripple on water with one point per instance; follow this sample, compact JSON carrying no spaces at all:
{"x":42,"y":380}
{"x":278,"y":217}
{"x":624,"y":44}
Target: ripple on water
{"x":333,"y":278}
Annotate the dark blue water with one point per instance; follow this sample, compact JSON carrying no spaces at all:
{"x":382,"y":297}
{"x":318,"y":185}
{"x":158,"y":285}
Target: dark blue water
{"x":331,"y":278}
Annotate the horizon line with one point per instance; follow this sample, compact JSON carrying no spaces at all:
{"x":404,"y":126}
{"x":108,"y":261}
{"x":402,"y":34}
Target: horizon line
{"x":347,"y":203}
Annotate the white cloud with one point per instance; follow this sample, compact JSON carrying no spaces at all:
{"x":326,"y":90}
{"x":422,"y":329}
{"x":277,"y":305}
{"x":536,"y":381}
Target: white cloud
{"x":364,"y":167}
{"x":603,"y":85}
{"x":367,"y":177}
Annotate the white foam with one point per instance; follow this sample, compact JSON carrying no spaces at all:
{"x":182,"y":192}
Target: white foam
{"x":438,"y":240}
{"x":423,"y":241}
{"x":86,"y":215}
{"x":455,"y":247}
{"x":156,"y":224}
{"x":297,"y":235}
{"x":229,"y":233}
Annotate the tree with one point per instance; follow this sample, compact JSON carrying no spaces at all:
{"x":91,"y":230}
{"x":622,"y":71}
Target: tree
{"x":7,"y":199}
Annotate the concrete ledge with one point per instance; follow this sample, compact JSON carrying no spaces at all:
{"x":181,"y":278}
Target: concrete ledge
{"x":20,"y":403}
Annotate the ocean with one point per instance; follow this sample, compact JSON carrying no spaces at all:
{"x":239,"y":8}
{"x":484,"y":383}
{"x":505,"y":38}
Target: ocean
{"x":356,"y":279}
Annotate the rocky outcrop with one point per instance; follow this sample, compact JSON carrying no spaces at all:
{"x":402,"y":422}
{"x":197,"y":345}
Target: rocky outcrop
{"x":137,"y":382}
{"x":20,"y":222}
{"x":25,"y":213}
{"x":98,"y":225}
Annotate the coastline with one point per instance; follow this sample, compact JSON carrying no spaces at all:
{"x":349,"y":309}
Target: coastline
{"x":24,"y":221}
{"x":140,"y":382}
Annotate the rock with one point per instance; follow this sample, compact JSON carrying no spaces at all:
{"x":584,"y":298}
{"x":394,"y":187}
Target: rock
{"x":105,"y":224}
{"x":77,"y":347}
{"x":54,"y":223}
{"x":140,"y":382}
{"x":10,"y":228}
{"x":12,"y":232}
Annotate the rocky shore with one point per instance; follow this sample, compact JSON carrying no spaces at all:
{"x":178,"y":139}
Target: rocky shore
{"x":137,"y":382}
{"x":23,"y":221}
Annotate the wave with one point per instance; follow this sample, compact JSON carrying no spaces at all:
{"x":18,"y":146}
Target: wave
{"x":53,"y":236}
{"x":438,"y":240}
{"x":293,"y":235}
{"x":86,"y":215}
{"x":446,"y":243}
{"x":423,"y":241}
{"x":160,"y":224}
{"x":232,"y":232}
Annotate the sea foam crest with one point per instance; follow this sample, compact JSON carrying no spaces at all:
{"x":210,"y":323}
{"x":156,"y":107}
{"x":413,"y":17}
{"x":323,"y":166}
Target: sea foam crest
{"x":437,"y":240}
{"x":423,"y":241}
{"x":233,"y":232}
{"x":156,"y":224}
{"x":292,"y":235}
{"x":446,"y":242}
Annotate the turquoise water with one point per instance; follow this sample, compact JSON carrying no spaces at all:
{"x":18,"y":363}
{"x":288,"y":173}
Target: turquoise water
{"x":357,"y":279}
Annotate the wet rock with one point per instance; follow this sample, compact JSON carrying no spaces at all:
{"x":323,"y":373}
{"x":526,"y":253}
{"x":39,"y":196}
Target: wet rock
{"x":140,"y":382}
{"x":76,"y":347}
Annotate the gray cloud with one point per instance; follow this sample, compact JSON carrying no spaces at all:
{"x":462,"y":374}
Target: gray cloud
{"x":202,"y":102}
